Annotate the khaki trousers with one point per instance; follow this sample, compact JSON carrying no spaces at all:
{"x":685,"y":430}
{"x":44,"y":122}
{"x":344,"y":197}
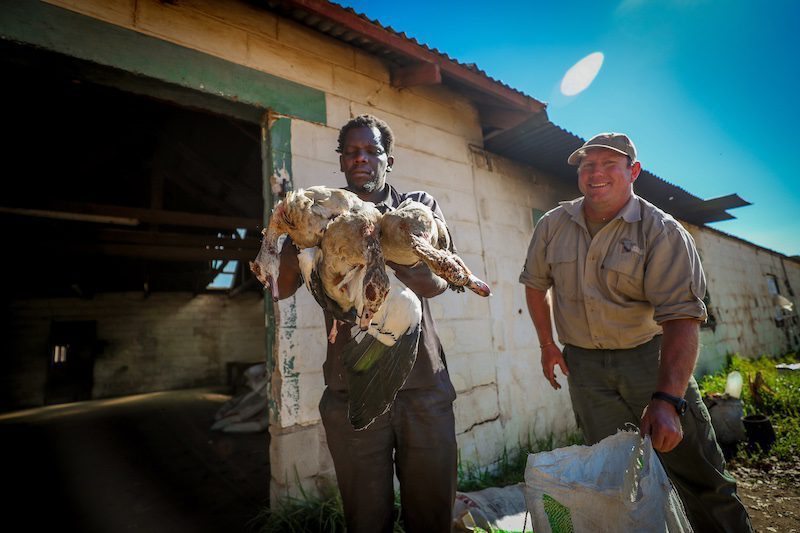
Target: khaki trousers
{"x":417,"y":439}
{"x":611,"y":388}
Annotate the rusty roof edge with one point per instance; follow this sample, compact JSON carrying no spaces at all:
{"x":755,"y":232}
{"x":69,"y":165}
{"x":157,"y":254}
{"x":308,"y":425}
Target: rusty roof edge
{"x":401,"y":43}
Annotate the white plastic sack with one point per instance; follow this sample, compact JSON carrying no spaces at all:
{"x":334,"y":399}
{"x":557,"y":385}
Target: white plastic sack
{"x":495,"y":508}
{"x":616,"y":485}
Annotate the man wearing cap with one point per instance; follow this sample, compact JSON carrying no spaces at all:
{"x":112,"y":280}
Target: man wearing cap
{"x":627,"y":298}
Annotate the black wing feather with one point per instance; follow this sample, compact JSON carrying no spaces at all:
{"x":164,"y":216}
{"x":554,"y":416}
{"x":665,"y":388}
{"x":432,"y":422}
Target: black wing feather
{"x":375,"y":372}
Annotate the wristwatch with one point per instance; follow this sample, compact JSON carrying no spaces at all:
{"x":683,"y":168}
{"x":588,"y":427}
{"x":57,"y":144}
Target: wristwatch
{"x":678,"y":403}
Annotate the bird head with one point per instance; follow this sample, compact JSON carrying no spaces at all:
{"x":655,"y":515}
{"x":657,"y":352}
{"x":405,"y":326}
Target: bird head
{"x":266,"y":266}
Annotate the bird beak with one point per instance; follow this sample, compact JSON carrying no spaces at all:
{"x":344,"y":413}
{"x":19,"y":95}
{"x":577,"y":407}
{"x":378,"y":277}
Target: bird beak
{"x":478,"y":287}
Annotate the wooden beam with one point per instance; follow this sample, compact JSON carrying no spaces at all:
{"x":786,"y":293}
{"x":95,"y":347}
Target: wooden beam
{"x":64,"y":215}
{"x":178,"y":239}
{"x":163,"y":253}
{"x":501,"y":118}
{"x":417,"y":74}
{"x":131,"y":216}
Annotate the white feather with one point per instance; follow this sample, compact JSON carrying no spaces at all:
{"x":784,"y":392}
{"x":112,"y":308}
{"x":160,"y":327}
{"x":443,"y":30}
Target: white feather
{"x":399,"y":314}
{"x":308,"y":258}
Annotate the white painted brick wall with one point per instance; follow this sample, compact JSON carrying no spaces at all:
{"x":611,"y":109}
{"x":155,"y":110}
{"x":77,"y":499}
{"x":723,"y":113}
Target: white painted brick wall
{"x":736,"y":275}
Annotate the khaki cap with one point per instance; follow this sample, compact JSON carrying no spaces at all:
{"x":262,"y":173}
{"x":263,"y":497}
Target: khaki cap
{"x":619,"y":142}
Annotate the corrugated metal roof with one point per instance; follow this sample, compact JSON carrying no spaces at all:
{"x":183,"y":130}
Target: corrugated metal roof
{"x":396,"y":47}
{"x":536,"y":141}
{"x":542,"y":144}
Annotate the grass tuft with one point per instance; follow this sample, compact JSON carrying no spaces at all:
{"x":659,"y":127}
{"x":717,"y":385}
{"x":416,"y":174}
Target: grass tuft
{"x":509,"y":468}
{"x":308,"y":513}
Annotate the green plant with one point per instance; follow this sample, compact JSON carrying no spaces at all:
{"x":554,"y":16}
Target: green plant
{"x":308,"y":513}
{"x":778,"y":398}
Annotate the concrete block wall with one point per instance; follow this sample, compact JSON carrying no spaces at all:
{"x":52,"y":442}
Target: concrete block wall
{"x":736,"y":273}
{"x":490,"y":343}
{"x":161,"y":342}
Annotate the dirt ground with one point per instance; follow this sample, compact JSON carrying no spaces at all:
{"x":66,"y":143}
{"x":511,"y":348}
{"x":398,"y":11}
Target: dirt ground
{"x":146,"y":463}
{"x":771,"y":492}
{"x":150,"y":463}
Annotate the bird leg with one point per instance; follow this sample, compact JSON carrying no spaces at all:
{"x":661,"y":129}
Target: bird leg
{"x":449,"y":266}
{"x":334,"y":331}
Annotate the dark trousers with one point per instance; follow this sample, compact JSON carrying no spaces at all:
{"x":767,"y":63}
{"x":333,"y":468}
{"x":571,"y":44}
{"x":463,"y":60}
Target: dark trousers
{"x":417,"y":439}
{"x":609,"y":391}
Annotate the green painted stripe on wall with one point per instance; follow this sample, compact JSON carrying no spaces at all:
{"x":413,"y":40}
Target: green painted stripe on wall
{"x":276,"y":160}
{"x":64,"y":31}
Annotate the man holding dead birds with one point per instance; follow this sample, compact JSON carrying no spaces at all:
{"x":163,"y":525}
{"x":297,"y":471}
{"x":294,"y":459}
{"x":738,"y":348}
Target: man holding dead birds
{"x":627,"y":292}
{"x":416,"y":438}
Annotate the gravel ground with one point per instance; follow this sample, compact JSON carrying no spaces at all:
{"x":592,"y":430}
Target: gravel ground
{"x":771,"y":492}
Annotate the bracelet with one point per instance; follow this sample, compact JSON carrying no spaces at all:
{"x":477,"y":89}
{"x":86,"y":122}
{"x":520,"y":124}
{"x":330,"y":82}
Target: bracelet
{"x":545,"y":345}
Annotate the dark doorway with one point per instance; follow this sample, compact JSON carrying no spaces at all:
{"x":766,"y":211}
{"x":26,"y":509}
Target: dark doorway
{"x":70,"y":369}
{"x":115,"y":183}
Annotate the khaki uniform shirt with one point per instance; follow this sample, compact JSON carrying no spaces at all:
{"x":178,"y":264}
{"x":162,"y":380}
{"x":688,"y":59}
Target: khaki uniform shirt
{"x":612,"y":291}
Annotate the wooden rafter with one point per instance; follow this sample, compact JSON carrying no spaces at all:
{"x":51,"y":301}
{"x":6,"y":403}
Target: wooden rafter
{"x":132,"y":216}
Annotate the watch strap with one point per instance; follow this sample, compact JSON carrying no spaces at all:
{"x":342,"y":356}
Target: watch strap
{"x":678,"y":403}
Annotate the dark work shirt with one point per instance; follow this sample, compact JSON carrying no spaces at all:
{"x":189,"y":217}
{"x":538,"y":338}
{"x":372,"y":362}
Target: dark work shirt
{"x":430,"y":368}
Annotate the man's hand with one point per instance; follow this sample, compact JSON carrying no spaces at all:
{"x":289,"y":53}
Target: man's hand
{"x":419,"y":279}
{"x":552,"y":356}
{"x":663,"y":424}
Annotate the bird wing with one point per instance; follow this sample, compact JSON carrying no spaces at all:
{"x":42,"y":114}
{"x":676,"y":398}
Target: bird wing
{"x":329,"y":203}
{"x":384,"y":370}
{"x":309,"y":260}
{"x":378,"y":361}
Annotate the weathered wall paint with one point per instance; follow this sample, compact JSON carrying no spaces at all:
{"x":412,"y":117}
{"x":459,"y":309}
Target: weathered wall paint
{"x":63,"y":31}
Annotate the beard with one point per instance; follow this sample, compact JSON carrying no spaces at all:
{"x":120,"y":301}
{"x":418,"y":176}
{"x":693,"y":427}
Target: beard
{"x":374,"y":183}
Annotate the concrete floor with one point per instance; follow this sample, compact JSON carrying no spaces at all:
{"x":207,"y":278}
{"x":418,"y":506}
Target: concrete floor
{"x":144,"y":463}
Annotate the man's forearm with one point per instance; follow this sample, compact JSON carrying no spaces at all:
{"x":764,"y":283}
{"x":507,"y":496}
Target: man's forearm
{"x":539,"y":309}
{"x":679,"y":347}
{"x":419,"y":279}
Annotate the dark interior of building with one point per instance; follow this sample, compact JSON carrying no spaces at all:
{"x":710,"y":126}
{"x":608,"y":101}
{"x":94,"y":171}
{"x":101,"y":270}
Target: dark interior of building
{"x":106,"y":190}
{"x":111,"y":186}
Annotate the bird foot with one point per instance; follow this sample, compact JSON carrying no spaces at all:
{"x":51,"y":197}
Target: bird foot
{"x":334,"y":331}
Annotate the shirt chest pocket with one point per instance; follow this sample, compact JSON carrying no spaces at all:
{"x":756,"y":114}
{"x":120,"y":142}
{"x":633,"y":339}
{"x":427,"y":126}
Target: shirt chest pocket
{"x":563,"y":264}
{"x":624,"y":271}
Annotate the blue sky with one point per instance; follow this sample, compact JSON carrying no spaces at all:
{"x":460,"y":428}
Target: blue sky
{"x":705,"y":88}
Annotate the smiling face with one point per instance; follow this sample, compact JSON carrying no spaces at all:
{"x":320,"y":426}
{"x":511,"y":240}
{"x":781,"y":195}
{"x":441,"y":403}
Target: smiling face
{"x":365,"y":162}
{"x":606,"y":180}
